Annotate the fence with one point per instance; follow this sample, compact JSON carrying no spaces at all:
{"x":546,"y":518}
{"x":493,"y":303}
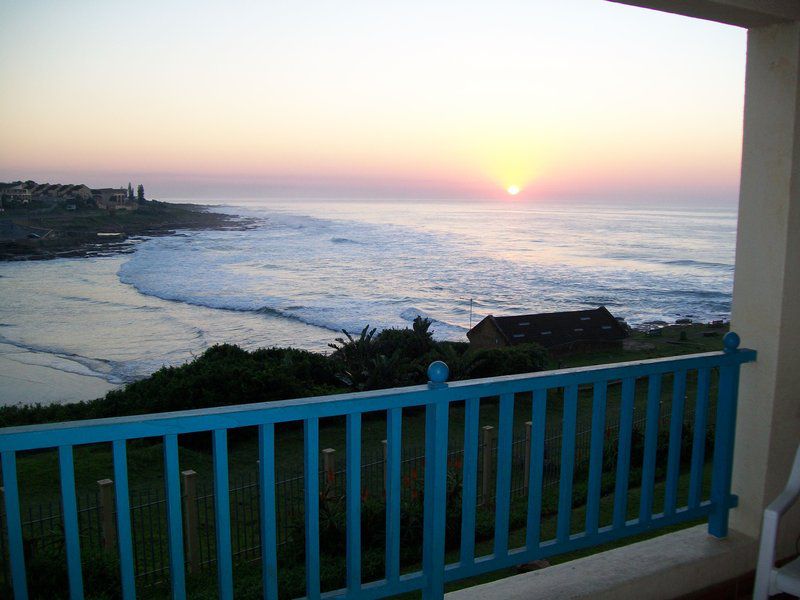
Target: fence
{"x":43,"y":526}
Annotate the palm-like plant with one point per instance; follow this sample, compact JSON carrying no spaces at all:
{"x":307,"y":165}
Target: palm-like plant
{"x":355,"y":357}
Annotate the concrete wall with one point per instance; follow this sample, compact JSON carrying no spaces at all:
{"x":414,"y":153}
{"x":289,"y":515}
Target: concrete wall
{"x":766,"y":297}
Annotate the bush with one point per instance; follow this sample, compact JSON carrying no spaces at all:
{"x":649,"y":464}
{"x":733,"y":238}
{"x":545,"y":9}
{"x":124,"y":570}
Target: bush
{"x":511,"y":360}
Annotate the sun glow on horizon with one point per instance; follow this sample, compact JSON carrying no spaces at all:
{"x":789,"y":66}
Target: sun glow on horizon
{"x":598,"y":111}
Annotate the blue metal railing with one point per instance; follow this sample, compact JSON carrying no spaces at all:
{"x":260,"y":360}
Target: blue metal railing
{"x":436,"y":398}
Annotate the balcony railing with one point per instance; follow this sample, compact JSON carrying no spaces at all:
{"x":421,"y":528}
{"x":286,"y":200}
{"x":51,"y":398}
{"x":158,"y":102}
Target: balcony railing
{"x":711,"y":413}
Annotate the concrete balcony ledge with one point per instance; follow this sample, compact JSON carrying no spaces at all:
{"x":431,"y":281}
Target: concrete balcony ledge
{"x":667,"y":566}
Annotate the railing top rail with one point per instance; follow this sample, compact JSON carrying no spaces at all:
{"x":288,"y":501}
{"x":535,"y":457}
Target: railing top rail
{"x":190,"y":421}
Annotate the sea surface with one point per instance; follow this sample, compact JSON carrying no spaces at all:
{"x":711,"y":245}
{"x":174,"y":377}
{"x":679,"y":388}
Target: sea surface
{"x":72,"y":329}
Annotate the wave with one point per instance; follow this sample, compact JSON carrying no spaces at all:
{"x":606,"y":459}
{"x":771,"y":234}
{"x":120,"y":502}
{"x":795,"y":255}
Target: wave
{"x":315,"y":270}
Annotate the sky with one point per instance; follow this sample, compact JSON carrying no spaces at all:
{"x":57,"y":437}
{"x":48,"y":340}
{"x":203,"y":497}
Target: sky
{"x":421,"y":99}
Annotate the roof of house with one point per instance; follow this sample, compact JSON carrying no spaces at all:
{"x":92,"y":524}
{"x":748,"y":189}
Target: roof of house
{"x":559,"y":328}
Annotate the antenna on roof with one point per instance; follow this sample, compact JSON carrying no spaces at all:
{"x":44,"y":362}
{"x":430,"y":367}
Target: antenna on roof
{"x":470,"y":313}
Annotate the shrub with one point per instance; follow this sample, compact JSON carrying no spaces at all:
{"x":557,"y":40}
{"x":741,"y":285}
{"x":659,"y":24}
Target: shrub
{"x":511,"y":360}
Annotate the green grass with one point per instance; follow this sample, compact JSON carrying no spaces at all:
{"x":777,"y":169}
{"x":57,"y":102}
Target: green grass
{"x":247,"y":578}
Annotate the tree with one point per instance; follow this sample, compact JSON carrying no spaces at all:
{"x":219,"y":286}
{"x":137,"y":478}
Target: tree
{"x":140,"y":193}
{"x":130,"y":191}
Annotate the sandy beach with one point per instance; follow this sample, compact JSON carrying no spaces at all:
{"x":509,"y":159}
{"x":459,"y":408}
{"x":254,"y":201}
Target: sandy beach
{"x":37,"y":377}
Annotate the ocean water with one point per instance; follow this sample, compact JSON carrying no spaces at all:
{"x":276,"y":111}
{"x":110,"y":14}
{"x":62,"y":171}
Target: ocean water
{"x":307,"y":270}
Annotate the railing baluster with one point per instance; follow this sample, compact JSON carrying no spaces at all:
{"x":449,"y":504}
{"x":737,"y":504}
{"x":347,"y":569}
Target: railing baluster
{"x":123,"y":505}
{"x":434,"y":509}
{"x":69,"y":507}
{"x":14,"y":526}
{"x":393,"y":463}
{"x":353,"y":467}
{"x":222,"y":514}
{"x":699,"y":441}
{"x":538,"y":417}
{"x":470,"y":479}
{"x":723,"y":441}
{"x":596,"y":457}
{"x":568,"y":425}
{"x":650,"y":444}
{"x":174,"y":521}
{"x":311,"y":460}
{"x":266,"y":482}
{"x":675,"y":431}
{"x":624,"y":452}
{"x":503,"y":479}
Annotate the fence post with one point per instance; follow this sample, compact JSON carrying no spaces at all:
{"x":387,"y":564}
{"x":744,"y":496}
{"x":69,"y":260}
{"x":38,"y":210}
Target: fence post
{"x":329,"y":464}
{"x":191,"y":524}
{"x":725,"y":429}
{"x":527,"y":467}
{"x":385,"y":446}
{"x":486,"y":479}
{"x":107,"y":514}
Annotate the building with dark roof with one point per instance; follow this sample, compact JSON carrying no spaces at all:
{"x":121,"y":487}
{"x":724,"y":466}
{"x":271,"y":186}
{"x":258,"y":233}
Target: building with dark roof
{"x":557,"y":332}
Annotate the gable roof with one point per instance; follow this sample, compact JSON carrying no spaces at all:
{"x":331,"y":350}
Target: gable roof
{"x":559,"y":328}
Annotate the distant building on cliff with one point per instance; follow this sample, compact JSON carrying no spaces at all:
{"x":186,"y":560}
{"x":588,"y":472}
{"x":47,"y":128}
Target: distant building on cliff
{"x":76,"y":196}
{"x":12,"y":194}
{"x":114,"y":199}
{"x":51,"y":192}
{"x":557,"y":332}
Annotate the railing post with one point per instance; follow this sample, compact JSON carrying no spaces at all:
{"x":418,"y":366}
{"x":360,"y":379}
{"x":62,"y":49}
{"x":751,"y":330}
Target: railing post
{"x":435,"y":494}
{"x":107,"y":514}
{"x":722,"y":465}
{"x":486,"y":478}
{"x":329,"y":465}
{"x":191,"y":521}
{"x":527,"y":468}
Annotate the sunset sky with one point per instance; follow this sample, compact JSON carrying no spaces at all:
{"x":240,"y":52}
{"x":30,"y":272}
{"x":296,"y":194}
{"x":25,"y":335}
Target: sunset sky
{"x":565,"y":99}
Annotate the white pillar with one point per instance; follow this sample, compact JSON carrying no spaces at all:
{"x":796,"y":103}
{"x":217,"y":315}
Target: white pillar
{"x":766,"y":295}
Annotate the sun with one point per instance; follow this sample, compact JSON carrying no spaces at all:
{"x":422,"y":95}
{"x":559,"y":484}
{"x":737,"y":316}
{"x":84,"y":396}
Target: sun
{"x":513,"y":190}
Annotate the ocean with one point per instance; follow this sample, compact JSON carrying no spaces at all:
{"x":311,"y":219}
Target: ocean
{"x":72,"y":329}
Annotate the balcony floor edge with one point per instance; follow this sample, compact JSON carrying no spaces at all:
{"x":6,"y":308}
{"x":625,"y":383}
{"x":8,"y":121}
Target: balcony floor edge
{"x":667,"y":566}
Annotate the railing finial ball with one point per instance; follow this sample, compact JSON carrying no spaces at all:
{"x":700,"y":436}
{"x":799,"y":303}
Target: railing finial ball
{"x":438,"y":372}
{"x":731,"y":341}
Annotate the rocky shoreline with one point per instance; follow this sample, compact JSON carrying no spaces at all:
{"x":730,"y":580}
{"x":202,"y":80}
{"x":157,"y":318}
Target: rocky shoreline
{"x":57,"y":233}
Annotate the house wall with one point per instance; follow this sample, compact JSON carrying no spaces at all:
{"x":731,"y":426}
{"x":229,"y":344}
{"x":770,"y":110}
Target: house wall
{"x":486,"y":335}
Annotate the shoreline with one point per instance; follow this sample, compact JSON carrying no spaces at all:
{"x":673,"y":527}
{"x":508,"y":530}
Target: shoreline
{"x":54,"y":233}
